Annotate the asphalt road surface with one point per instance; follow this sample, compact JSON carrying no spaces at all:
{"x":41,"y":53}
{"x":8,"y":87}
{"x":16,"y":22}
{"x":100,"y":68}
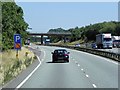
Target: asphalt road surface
{"x":113,"y":50}
{"x":83,"y":71}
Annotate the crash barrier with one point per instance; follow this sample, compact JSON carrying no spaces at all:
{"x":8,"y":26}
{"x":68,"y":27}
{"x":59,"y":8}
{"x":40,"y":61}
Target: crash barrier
{"x":110,"y":55}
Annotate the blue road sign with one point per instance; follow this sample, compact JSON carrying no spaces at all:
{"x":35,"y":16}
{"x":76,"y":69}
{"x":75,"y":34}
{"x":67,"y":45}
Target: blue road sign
{"x":17,"y":41}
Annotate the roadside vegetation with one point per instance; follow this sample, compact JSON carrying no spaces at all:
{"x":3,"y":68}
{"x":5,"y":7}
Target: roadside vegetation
{"x":12,"y":66}
{"x":12,"y":23}
{"x":0,"y":42}
{"x":88,"y":33}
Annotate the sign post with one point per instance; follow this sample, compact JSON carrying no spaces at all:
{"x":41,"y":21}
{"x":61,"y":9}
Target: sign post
{"x":17,"y":43}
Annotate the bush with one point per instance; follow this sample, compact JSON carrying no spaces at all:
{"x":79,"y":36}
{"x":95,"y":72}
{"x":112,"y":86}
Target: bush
{"x":13,"y":70}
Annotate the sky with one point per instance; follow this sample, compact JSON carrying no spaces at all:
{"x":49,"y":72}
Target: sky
{"x":43,"y":16}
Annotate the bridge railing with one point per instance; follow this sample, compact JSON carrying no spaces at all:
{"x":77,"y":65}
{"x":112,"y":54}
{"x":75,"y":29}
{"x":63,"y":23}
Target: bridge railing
{"x":113,"y":56}
{"x":66,"y":33}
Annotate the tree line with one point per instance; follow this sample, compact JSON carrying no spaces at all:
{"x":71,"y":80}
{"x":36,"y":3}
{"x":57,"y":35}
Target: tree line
{"x":12,"y":23}
{"x":88,"y":33}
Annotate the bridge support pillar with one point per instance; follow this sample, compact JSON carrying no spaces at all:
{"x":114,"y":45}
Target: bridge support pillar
{"x":35,"y":39}
{"x":64,"y":38}
{"x":41,"y":39}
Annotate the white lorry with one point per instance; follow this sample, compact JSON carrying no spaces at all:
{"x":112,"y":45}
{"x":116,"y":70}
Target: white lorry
{"x":104,"y":41}
{"x":116,"y":41}
{"x":47,"y":41}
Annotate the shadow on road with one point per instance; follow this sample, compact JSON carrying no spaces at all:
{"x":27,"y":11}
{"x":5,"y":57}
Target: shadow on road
{"x":56,"y":62}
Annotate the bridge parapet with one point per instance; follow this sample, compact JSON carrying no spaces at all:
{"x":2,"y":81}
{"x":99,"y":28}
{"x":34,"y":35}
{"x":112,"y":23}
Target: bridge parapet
{"x":51,"y":34}
{"x":63,"y":33}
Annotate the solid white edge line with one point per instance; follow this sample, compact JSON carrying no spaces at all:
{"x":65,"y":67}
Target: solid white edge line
{"x":29,"y":75}
{"x":94,"y":86}
{"x":106,"y":59}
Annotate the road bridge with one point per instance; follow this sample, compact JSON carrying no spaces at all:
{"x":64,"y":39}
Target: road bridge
{"x":64,"y":35}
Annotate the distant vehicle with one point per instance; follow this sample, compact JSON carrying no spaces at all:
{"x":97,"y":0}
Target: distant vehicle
{"x":94,"y":46}
{"x":27,"y":42}
{"x":104,"y":41}
{"x":116,"y":41}
{"x":60,"y":55}
{"x":77,"y":45}
{"x":47,"y":41}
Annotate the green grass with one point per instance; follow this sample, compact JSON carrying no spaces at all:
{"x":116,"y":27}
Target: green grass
{"x":69,"y":43}
{"x":75,"y":42}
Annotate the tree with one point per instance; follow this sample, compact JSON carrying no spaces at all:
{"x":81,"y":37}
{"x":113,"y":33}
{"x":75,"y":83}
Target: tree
{"x":88,"y":33}
{"x":12,"y":23}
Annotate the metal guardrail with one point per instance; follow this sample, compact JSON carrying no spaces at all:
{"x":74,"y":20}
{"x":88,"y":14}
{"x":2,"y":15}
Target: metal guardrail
{"x":110,"y":55}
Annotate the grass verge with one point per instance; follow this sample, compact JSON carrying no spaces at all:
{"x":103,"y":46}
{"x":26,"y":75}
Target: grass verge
{"x":10,"y":66}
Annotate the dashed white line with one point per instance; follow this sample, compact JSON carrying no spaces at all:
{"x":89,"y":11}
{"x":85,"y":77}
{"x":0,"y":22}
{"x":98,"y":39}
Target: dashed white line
{"x":87,"y":76}
{"x":78,"y":65}
{"x":82,"y":69}
{"x":94,"y":86}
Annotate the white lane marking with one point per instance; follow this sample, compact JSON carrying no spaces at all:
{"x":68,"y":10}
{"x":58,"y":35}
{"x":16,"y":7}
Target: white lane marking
{"x":111,"y":61}
{"x":73,"y":59}
{"x":29,"y":74}
{"x":103,"y":58}
{"x":94,"y":86}
{"x":87,"y":76}
{"x":78,"y":65}
{"x":82,"y":69}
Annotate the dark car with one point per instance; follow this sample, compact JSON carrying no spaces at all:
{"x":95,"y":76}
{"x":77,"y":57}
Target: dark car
{"x":94,"y":46}
{"x":60,"y":55}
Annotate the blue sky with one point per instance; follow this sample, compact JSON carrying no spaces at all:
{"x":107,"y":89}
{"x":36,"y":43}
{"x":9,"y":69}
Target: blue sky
{"x":42,"y":16}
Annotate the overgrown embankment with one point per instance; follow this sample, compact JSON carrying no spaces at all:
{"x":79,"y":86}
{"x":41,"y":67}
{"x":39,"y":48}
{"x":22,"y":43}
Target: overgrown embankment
{"x":10,"y":66}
